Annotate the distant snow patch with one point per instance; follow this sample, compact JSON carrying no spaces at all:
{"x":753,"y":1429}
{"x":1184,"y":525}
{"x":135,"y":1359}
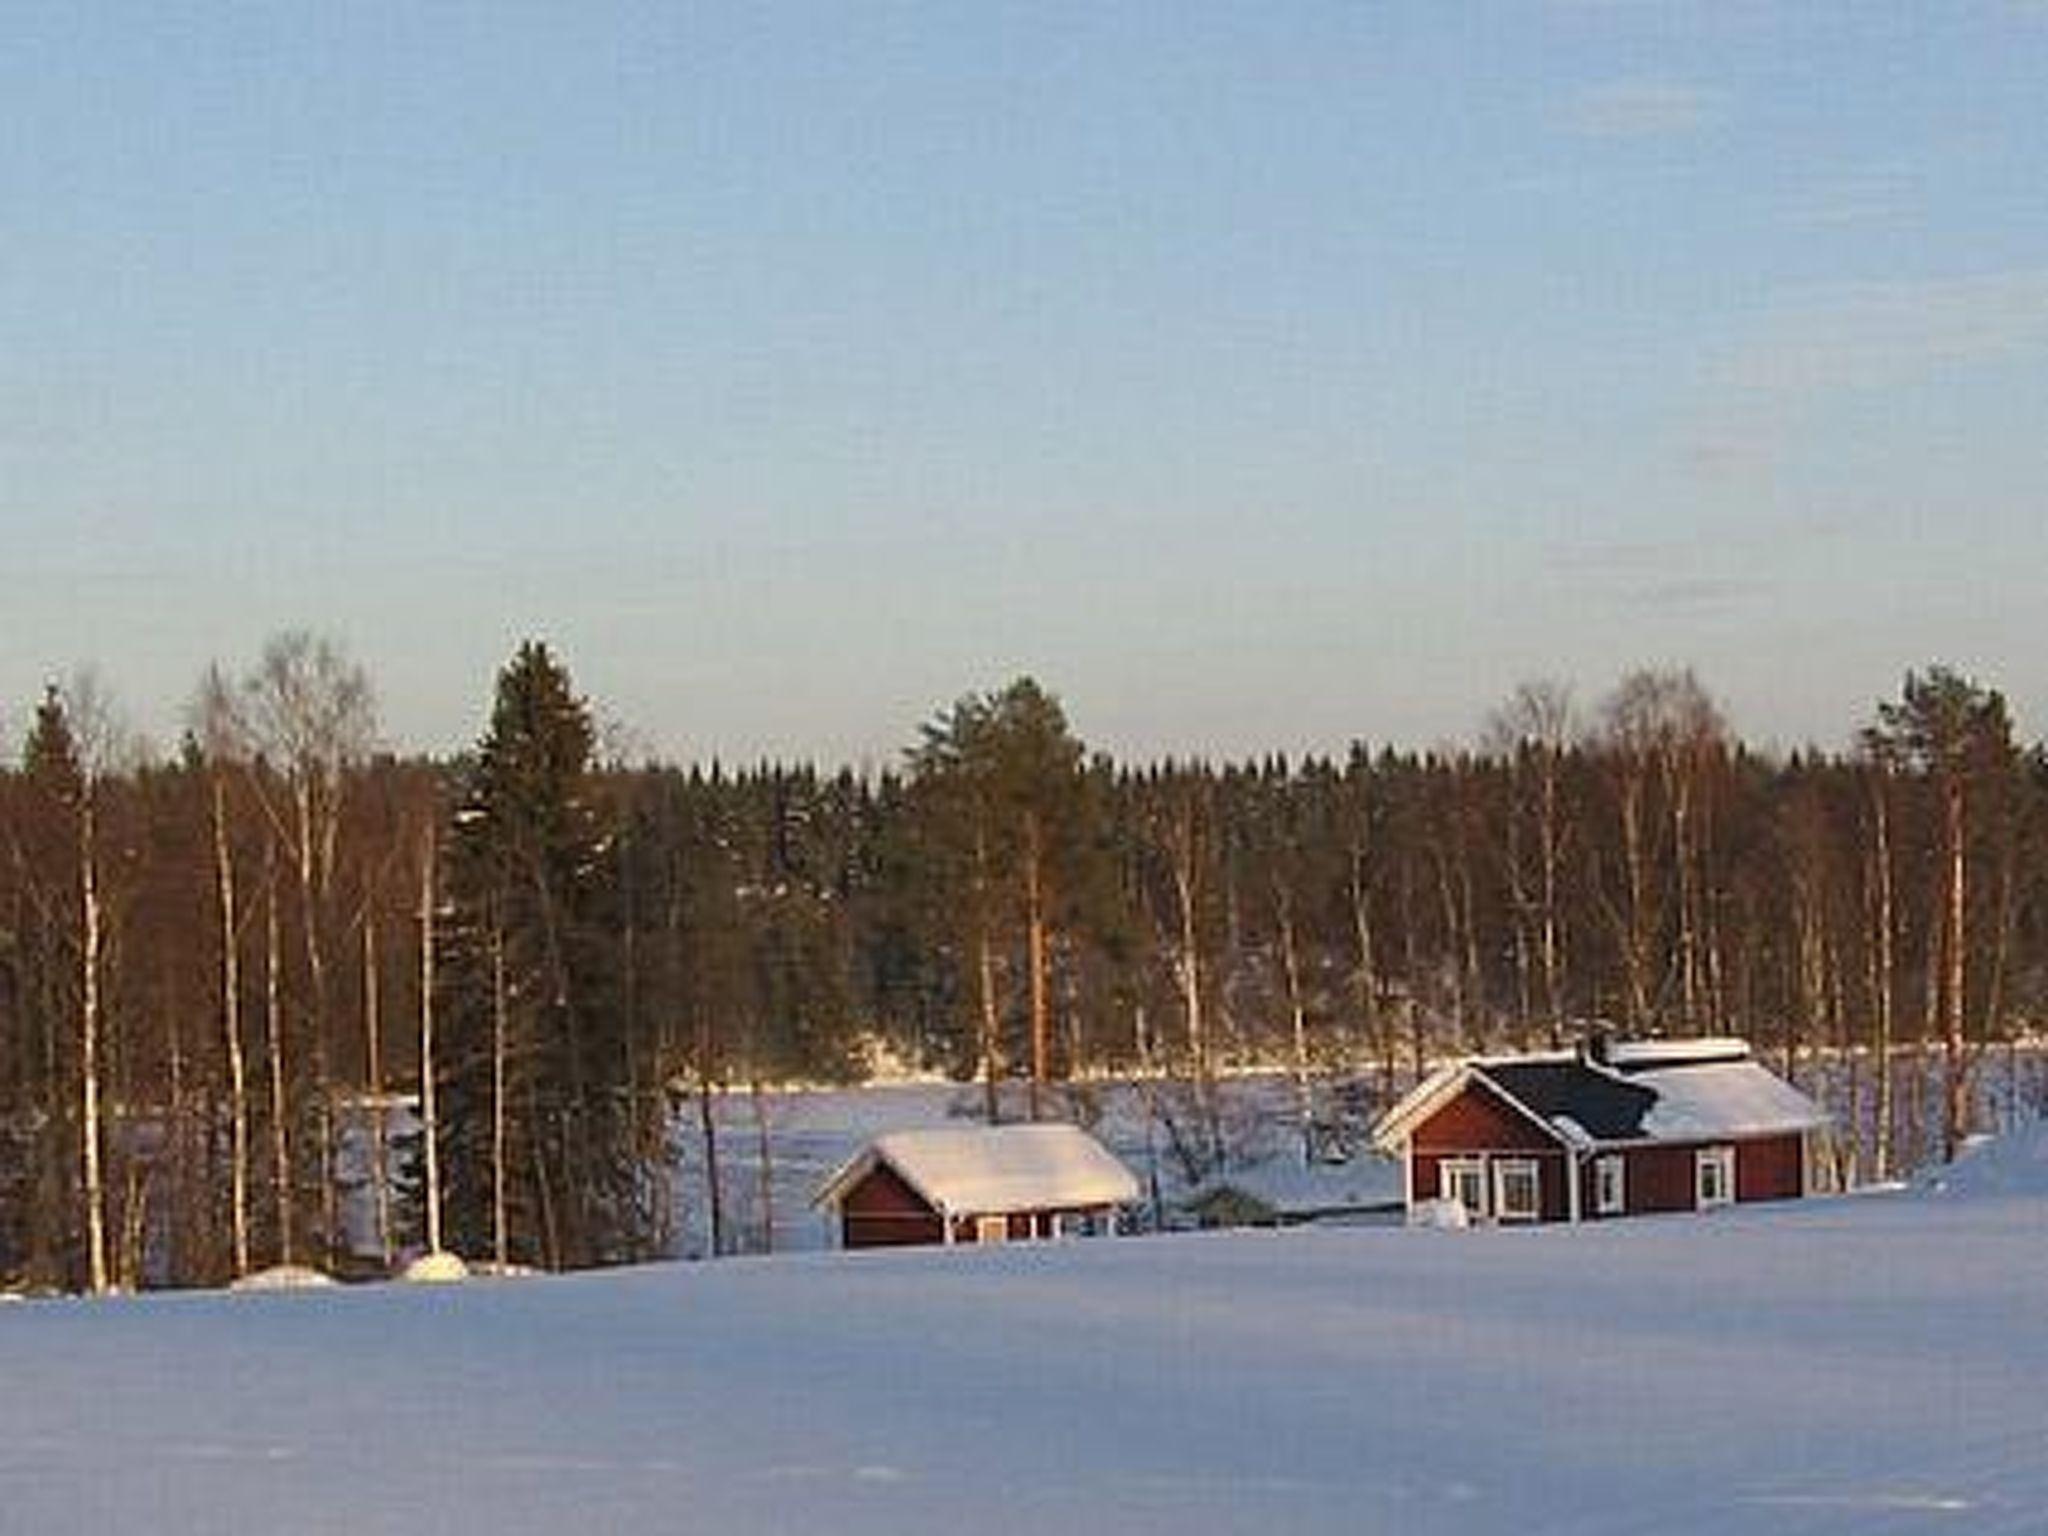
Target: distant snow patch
{"x":282,"y":1277}
{"x":437,"y":1268}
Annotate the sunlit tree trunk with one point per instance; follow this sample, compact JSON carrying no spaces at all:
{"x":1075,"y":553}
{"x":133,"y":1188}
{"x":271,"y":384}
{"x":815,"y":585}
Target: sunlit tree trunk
{"x":1884,"y":981}
{"x":430,"y":1121}
{"x":1297,"y":1013}
{"x":273,"y":1024}
{"x":90,"y":1025}
{"x":1035,"y":959}
{"x":231,"y":1031}
{"x":501,"y":1007}
{"x":373,"y":1071}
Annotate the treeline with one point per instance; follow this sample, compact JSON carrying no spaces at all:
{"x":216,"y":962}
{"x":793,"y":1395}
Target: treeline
{"x":286,"y":998}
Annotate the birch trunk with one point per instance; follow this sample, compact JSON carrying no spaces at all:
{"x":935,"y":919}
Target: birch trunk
{"x":273,"y":1025}
{"x":89,"y":1027}
{"x":231,"y":1031}
{"x":430,"y":1125}
{"x":373,"y":1071}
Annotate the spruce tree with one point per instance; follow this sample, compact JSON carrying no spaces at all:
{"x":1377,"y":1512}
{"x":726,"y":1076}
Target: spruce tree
{"x":541,"y":1131}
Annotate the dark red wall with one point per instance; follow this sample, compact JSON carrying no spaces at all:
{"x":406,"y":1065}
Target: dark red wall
{"x":1664,"y":1178}
{"x":881,"y":1211}
{"x":1478,"y":1120}
{"x":1660,"y":1179}
{"x":1773,"y":1168}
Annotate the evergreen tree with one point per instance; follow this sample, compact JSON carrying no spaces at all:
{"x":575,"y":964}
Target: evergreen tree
{"x":541,"y":1129}
{"x":1005,"y":780}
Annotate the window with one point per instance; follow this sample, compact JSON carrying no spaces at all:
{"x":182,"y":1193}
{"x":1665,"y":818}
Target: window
{"x":991,"y":1229}
{"x":1714,"y":1177}
{"x":1517,"y":1189}
{"x":1463,"y":1179}
{"x":1610,"y":1187}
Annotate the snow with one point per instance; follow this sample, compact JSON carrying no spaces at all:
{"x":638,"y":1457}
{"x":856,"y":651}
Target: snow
{"x":1731,"y":1098}
{"x":1287,"y":1187}
{"x":2016,"y":1164}
{"x":283,"y":1277}
{"x":437,"y":1268}
{"x":995,"y":1170}
{"x":1852,"y":1367}
{"x":1629,"y":1055}
{"x":1440,"y":1214}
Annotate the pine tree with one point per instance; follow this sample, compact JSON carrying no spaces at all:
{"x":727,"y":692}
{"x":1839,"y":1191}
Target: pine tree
{"x":1959,"y":735}
{"x":1004,"y":778}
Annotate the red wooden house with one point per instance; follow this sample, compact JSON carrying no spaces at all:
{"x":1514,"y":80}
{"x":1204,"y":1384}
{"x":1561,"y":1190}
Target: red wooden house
{"x":978,"y":1184}
{"x":1614,"y":1129}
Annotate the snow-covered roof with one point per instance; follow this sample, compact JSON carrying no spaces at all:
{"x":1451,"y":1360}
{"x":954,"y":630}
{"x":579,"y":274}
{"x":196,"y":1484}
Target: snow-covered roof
{"x":1637,"y":1055}
{"x":993,"y":1170}
{"x":1289,"y":1188}
{"x":1723,"y":1098}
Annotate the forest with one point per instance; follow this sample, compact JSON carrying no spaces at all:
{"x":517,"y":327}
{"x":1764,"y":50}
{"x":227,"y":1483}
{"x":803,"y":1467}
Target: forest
{"x":280,"y":970}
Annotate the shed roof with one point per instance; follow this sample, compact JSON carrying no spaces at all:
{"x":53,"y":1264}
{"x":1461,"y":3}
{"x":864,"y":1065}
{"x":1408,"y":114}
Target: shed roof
{"x":993,"y":1170}
{"x":1288,"y":1188}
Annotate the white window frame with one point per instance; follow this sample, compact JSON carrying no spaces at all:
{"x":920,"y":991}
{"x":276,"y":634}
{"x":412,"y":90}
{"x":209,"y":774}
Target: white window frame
{"x":991,"y":1229}
{"x":1505,"y":1168}
{"x":1610,"y":1185}
{"x":1450,"y":1169}
{"x":1714,"y":1165}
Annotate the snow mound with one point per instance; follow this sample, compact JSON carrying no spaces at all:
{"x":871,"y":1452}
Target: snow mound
{"x":282,"y":1277}
{"x":2013,"y":1164}
{"x":437,"y":1268}
{"x":505,"y":1271}
{"x":1440,"y":1215}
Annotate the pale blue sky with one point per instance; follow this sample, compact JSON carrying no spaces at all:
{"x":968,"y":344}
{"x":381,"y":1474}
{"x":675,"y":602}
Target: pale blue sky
{"x":1258,"y":376}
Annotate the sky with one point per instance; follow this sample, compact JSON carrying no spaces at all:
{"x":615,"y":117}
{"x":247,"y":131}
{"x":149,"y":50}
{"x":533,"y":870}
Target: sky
{"x":1257,"y":377}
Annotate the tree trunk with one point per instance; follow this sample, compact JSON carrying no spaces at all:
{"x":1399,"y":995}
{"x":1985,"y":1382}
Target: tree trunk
{"x":1550,"y":944}
{"x":307,"y":857}
{"x":1297,"y":1009}
{"x":501,"y":1237}
{"x":714,"y":1193}
{"x":430,"y":1124}
{"x":1189,"y":968}
{"x":1955,"y":1098}
{"x":89,"y":1032}
{"x":1034,"y":920}
{"x":273,"y":1025}
{"x":991,"y":1027}
{"x":373,"y":1071}
{"x":1636,"y":942}
{"x":765,"y":1164}
{"x":231,"y":1032}
{"x":1885,"y":982}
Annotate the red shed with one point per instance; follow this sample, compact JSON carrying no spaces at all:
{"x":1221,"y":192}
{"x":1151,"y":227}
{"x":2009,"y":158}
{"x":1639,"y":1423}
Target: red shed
{"x":1615,"y":1129}
{"x":979,"y":1184}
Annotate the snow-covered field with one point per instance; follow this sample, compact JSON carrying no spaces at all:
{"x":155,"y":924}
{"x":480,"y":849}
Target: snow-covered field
{"x":1870,"y":1364}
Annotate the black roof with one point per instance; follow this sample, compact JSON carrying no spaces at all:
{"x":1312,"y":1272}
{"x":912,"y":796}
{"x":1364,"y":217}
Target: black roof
{"x":1609,"y":1110}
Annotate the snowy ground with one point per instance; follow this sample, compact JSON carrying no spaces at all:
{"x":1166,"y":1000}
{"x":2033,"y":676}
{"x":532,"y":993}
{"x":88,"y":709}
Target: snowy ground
{"x":1863,"y":1365}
